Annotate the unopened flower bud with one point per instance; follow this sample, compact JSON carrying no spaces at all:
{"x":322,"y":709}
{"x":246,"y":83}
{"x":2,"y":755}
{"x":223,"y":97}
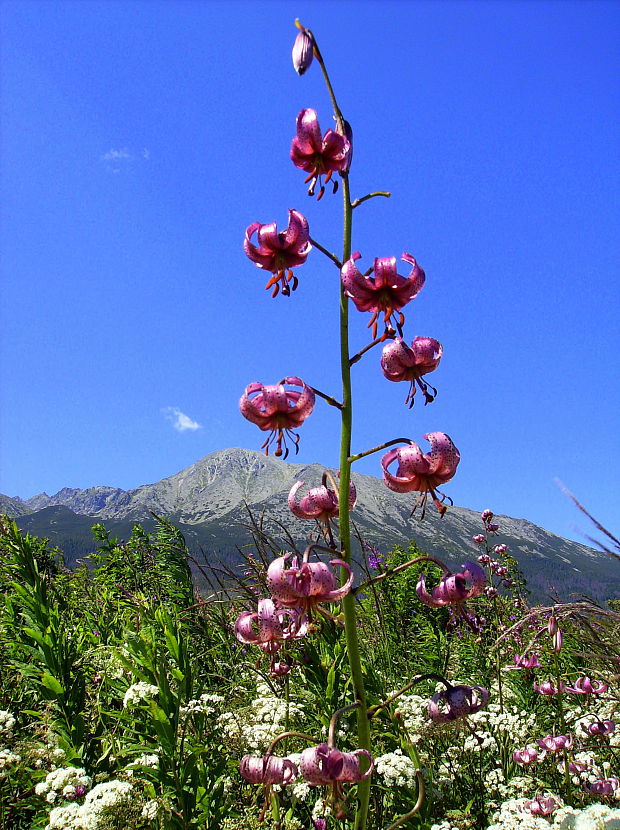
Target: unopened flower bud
{"x":479,"y":538}
{"x":303,"y":52}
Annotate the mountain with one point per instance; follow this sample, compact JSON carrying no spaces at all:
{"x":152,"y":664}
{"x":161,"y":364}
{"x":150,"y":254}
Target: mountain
{"x":207,"y":501}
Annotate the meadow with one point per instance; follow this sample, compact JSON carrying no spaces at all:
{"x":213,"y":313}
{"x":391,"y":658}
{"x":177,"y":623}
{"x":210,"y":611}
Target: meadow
{"x":128,"y":701}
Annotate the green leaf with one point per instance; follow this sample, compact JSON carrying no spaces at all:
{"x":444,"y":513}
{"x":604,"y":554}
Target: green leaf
{"x":50,"y":682}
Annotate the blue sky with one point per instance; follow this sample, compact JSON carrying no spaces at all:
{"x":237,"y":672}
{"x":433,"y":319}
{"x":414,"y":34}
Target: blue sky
{"x":140,"y":139}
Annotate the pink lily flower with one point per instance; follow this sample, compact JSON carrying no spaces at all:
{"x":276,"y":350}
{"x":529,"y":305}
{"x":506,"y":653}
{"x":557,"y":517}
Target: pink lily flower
{"x":453,"y":589}
{"x":607,"y":786}
{"x":422,"y":472}
{"x":522,"y":661}
{"x":486,"y":515}
{"x":540,"y":806}
{"x":599,"y":728}
{"x":323,"y":764}
{"x":268,"y":770}
{"x":279,"y":252}
{"x":457,"y":702}
{"x":586,"y":686}
{"x":577,"y":768}
{"x":317,"y":154}
{"x":553,"y":743}
{"x":401,"y":362}
{"x":387,"y":291}
{"x":319,"y":503}
{"x":278,"y":410}
{"x":269,"y":620}
{"x":305,"y":586}
{"x":527,"y":756}
{"x":548,"y":689}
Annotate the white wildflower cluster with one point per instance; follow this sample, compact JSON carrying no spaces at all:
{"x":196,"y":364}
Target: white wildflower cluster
{"x":150,"y":810}
{"x":63,"y":782}
{"x":413,"y":710}
{"x":7,"y":760}
{"x":512,"y":815}
{"x":99,"y":805}
{"x":396,"y":769}
{"x":592,"y":772}
{"x":321,"y":809}
{"x":138,"y":692}
{"x":255,"y":728}
{"x":204,"y":705}
{"x":105,"y":661}
{"x":145,"y":760}
{"x":443,"y":825}
{"x":7,"y":722}
{"x":513,"y":723}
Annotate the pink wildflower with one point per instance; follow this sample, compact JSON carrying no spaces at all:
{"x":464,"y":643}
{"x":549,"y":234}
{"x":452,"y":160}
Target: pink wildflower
{"x":386,"y":292}
{"x":457,"y":702}
{"x":453,"y":589}
{"x":279,"y":252}
{"x":278,"y":410}
{"x":317,"y":154}
{"x":422,"y":472}
{"x":400,"y":362}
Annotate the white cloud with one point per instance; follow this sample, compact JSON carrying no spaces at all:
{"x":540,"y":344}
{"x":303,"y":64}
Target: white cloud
{"x":179,"y":420}
{"x":116,"y":155}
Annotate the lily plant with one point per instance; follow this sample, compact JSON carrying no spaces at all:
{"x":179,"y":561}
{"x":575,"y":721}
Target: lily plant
{"x":301,"y":588}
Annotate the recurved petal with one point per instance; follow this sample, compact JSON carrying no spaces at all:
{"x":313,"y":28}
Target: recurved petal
{"x":385,"y":272}
{"x":444,"y":457}
{"x":268,"y":238}
{"x":424,"y":596}
{"x":309,"y":137}
{"x":337,"y":594}
{"x":398,"y":483}
{"x":417,"y":277}
{"x":269,"y":627}
{"x":244,"y":628}
{"x":297,"y":234}
{"x":351,"y":768}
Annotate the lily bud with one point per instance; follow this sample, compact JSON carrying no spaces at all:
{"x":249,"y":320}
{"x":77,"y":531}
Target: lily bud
{"x":303,"y":52}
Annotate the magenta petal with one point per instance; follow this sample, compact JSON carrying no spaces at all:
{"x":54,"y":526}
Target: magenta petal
{"x":309,"y":137}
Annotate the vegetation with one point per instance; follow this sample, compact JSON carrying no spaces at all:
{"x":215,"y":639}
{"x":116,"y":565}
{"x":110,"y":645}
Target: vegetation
{"x":127,"y":701}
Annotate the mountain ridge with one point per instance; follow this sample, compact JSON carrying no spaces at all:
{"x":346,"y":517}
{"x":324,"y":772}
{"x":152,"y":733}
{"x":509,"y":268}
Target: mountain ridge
{"x":209,"y":501}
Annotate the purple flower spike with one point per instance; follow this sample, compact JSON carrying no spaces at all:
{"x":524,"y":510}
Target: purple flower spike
{"x":400,"y":362}
{"x":556,"y":743}
{"x":320,"y":765}
{"x":540,"y":806}
{"x":386,"y":292}
{"x":585,"y":686}
{"x":279,"y":252}
{"x":278,"y":410}
{"x":548,"y":689}
{"x":422,"y":472}
{"x":303,"y":51}
{"x":268,"y":770}
{"x":317,"y":154}
{"x":319,"y":503}
{"x":457,"y":702}
{"x":453,"y":589}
